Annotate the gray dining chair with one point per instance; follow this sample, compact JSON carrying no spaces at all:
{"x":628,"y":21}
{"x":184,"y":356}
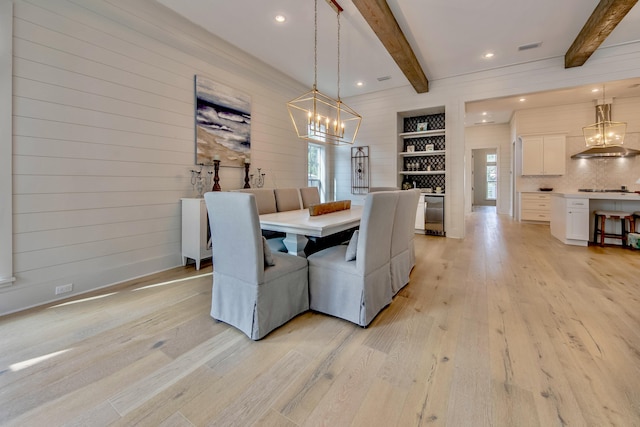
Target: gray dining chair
{"x":287,"y":199}
{"x":353,"y":282}
{"x":402,"y":239}
{"x":253,"y":290}
{"x":376,"y":189}
{"x":310,"y":196}
{"x":266,"y":202}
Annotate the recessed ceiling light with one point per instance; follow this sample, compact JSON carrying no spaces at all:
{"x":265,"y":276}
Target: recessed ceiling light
{"x":280,"y":18}
{"x":484,"y":113}
{"x":522,"y":99}
{"x":595,"y":90}
{"x":488,"y":55}
{"x":484,"y":121}
{"x":359,"y":83}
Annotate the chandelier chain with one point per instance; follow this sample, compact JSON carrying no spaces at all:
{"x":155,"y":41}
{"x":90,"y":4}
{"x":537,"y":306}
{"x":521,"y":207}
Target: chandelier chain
{"x":315,"y":46}
{"x":338,"y":14}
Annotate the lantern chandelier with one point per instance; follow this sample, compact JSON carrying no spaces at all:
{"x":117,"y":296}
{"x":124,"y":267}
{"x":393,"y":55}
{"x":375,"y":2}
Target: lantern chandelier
{"x":317,"y":117}
{"x":604,"y":132}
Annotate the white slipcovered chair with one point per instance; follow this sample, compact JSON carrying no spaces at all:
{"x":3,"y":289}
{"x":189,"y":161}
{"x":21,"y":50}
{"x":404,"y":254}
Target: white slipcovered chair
{"x":376,"y":189}
{"x":248,"y":294}
{"x":266,"y":202}
{"x":287,"y":199}
{"x":310,"y":196}
{"x":402,"y":253}
{"x":359,"y":289}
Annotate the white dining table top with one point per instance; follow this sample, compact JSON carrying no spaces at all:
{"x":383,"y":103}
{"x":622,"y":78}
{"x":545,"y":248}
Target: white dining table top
{"x":300,"y":222}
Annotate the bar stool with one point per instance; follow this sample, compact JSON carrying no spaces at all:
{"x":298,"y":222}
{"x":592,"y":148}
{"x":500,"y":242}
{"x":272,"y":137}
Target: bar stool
{"x":601,"y":218}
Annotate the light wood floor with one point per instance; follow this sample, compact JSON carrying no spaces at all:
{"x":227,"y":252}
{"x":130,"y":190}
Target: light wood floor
{"x":507,"y":327}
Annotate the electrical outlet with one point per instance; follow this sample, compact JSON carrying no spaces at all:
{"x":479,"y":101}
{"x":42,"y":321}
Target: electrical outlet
{"x":64,"y":289}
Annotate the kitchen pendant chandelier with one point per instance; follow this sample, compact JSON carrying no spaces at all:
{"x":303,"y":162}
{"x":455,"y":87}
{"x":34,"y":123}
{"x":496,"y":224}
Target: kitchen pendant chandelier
{"x":317,"y":117}
{"x":604,"y":133}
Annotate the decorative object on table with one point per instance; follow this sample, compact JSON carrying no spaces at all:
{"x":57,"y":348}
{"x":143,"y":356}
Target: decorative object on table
{"x":421,"y":127}
{"x":328,"y":207}
{"x":258,"y":182}
{"x":247,"y":164}
{"x":411,"y":148}
{"x":223,"y":123}
{"x":317,"y":117}
{"x":197,"y":180}
{"x":360,"y":170}
{"x":428,"y":147}
{"x":216,"y":178}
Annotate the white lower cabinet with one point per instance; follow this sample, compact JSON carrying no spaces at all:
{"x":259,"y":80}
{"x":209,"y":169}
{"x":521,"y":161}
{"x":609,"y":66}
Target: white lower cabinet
{"x":570,"y":220}
{"x":195,"y":231}
{"x":535,"y":207}
{"x":577,"y":219}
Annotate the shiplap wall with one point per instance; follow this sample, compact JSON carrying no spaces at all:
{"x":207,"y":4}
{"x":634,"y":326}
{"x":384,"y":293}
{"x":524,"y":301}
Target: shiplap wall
{"x":6,"y":217}
{"x":104,"y":139}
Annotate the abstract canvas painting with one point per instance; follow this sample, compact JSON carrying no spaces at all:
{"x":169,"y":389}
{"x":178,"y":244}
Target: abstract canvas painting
{"x":223,"y":123}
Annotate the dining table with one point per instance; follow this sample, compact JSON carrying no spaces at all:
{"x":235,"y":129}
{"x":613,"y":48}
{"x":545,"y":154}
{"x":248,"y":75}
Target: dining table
{"x":298,"y":224}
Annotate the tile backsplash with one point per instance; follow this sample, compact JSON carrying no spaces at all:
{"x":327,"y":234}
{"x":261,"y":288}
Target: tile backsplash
{"x":590,"y":173}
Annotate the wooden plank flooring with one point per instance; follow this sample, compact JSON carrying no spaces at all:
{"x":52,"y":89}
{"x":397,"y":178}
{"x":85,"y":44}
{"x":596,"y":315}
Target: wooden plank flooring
{"x":507,"y":327}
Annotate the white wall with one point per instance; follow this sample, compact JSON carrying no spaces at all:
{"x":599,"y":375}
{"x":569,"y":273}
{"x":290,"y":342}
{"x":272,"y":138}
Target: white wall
{"x":104,"y":139}
{"x":379,"y":109}
{"x":490,"y":136}
{"x":6,"y":219}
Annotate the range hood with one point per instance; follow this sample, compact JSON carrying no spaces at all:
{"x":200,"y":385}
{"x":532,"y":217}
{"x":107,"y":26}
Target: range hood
{"x":602,"y":145}
{"x":607,"y":151}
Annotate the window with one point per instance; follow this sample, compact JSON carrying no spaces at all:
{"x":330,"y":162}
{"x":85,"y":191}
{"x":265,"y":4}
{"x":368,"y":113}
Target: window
{"x":316,"y":168}
{"x":492,"y":176}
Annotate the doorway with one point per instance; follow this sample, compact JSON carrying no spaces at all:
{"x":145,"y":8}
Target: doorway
{"x":485,"y":177}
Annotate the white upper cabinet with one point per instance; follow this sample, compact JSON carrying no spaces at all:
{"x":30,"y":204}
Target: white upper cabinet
{"x":544,"y":155}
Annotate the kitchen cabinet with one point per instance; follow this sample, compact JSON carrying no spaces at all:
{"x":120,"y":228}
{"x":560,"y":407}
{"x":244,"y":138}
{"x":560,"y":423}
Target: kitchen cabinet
{"x":535,"y":207}
{"x":570,"y":220}
{"x":196,"y":241}
{"x":577,"y":218}
{"x":543,"y":155}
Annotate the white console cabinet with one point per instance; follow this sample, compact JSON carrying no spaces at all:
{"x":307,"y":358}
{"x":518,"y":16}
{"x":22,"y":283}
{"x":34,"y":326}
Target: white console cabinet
{"x":195,"y":231}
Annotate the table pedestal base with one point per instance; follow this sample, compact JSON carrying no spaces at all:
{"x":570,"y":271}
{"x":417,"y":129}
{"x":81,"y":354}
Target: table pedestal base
{"x":295,"y":244}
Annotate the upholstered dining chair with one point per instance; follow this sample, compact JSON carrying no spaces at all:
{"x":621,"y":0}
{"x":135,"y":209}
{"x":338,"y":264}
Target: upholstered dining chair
{"x":402,"y":238}
{"x":253,"y":290}
{"x":354,"y":282}
{"x":266,"y":202}
{"x":310,"y":196}
{"x":376,"y":189}
{"x":287,"y":199}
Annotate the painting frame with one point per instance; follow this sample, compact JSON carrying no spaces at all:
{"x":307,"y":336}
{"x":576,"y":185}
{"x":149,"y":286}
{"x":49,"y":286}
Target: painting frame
{"x":421,"y":127}
{"x":222,"y":123}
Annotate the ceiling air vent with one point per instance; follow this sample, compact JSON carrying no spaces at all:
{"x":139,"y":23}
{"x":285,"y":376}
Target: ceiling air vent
{"x":530,"y":46}
{"x":381,"y":79}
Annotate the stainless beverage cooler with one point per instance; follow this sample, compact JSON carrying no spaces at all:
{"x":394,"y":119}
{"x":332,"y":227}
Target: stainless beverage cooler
{"x":434,"y":215}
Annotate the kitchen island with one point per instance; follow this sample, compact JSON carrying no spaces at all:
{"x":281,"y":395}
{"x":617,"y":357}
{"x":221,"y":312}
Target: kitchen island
{"x":572,"y":213}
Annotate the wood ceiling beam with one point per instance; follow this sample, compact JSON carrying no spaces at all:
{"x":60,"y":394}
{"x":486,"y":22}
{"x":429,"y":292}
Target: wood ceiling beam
{"x":381,"y":20}
{"x":605,"y":17}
